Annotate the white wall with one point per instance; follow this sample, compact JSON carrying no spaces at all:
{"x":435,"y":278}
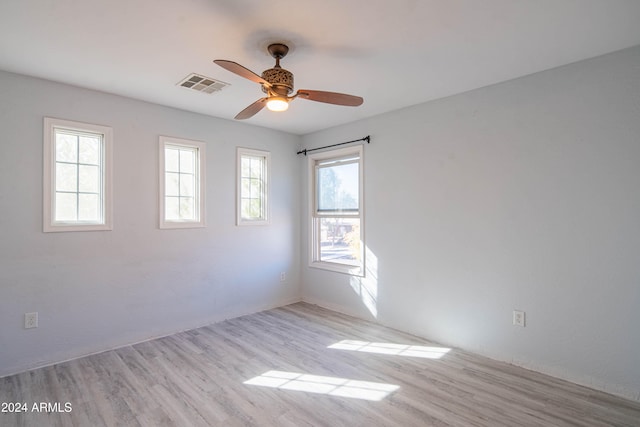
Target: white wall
{"x":98,"y":290}
{"x":523,"y":195}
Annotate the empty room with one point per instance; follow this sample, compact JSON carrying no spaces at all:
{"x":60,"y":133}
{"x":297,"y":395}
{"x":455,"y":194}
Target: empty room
{"x":336,"y":213}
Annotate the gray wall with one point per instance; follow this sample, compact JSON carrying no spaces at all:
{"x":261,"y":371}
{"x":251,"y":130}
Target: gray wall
{"x":523,"y":195}
{"x":98,"y":290}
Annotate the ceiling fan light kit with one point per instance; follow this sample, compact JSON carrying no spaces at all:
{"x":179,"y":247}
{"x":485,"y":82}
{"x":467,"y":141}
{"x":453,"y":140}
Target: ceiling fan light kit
{"x":278,"y":103}
{"x":277,"y":83}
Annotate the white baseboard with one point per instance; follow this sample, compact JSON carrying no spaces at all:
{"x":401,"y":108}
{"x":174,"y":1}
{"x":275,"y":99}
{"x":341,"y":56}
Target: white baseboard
{"x":80,"y":354}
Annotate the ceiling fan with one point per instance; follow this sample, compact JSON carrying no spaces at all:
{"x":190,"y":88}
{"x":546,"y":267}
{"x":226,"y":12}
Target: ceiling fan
{"x":277,"y":83}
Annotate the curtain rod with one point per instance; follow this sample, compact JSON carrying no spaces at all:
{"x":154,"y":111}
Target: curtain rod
{"x":305,"y":151}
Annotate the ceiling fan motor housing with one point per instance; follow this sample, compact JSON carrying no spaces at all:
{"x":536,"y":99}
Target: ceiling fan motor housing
{"x":280,"y":79}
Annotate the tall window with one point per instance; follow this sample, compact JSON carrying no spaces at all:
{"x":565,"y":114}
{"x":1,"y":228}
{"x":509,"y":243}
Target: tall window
{"x":253,"y":187}
{"x":336,"y":210}
{"x":181,"y":183}
{"x":77,"y":176}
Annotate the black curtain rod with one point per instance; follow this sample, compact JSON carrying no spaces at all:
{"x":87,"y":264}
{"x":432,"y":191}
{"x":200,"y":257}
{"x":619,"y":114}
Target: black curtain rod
{"x":305,"y":151}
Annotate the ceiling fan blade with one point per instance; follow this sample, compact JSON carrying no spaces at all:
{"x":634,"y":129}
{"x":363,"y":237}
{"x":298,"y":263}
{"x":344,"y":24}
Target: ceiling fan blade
{"x":252,"y":109}
{"x":330,"y":97}
{"x":238,"y":69}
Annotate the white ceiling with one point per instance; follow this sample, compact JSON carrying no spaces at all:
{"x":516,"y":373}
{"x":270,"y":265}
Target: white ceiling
{"x":392,"y":53}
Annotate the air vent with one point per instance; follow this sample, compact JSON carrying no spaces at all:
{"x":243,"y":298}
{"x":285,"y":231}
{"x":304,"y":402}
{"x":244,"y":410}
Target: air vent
{"x":202,"y":83}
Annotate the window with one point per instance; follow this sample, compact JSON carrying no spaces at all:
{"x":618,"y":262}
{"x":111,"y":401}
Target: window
{"x":77,"y":176}
{"x":253,"y":187}
{"x":182,"y":178}
{"x":336,"y":210}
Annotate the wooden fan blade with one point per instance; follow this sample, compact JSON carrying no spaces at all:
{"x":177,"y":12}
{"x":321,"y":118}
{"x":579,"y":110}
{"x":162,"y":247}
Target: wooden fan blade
{"x":238,"y":69}
{"x":330,"y":97}
{"x":252,"y":109}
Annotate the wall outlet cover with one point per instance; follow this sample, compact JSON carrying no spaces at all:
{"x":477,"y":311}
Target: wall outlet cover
{"x":31,"y":320}
{"x":519,"y":318}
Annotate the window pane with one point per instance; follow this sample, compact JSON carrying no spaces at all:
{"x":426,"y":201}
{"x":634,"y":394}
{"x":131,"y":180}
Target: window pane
{"x":171,"y":187}
{"x":186,"y":208}
{"x":245,"y":208}
{"x":245,"y":188}
{"x":171,"y":208}
{"x":171,"y":160}
{"x":89,"y":207}
{"x":338,"y":188}
{"x":256,"y":189}
{"x":89,"y":150}
{"x":340,"y":240}
{"x":187,"y":185}
{"x":66,"y":147}
{"x":89,"y":179}
{"x":245,"y":167}
{"x":187,"y":158}
{"x":66,"y":207}
{"x":256,"y":167}
{"x":66,"y":177}
{"x":256,"y":209}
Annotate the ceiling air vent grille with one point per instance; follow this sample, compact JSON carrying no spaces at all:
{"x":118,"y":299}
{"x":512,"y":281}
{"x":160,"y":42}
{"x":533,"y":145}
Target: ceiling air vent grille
{"x":202,"y":84}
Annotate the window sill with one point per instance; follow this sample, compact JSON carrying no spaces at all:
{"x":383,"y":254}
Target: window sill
{"x":177,"y":225}
{"x":62,"y":228}
{"x":338,"y":268}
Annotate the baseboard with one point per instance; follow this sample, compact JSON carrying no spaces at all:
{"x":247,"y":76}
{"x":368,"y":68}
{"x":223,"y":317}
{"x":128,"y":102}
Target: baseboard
{"x":216,"y":319}
{"x":586,"y":381}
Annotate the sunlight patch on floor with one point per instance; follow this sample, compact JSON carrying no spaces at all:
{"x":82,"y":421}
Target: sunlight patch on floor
{"x":324,"y":385}
{"x":389,"y":348}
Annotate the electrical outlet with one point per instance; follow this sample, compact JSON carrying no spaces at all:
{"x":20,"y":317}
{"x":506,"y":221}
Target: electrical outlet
{"x":283,"y":276}
{"x":31,"y":320}
{"x":518,"y":318}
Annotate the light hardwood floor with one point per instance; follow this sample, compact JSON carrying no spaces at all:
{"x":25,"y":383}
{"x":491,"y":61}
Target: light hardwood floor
{"x":251,"y":370}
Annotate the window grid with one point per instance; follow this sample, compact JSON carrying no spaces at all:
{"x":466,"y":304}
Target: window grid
{"x":252,"y":187}
{"x":252,"y":193}
{"x":185,"y":199}
{"x":181,"y":183}
{"x":77,"y":176}
{"x":77,"y":192}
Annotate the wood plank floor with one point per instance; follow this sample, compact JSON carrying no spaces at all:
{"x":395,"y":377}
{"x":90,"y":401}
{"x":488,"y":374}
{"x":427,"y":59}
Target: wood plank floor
{"x":276,"y":368}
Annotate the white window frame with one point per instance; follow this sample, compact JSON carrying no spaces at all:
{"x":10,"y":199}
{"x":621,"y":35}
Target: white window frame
{"x":199,"y":191}
{"x":49,"y":176}
{"x":266,"y":156}
{"x":315,"y":215}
